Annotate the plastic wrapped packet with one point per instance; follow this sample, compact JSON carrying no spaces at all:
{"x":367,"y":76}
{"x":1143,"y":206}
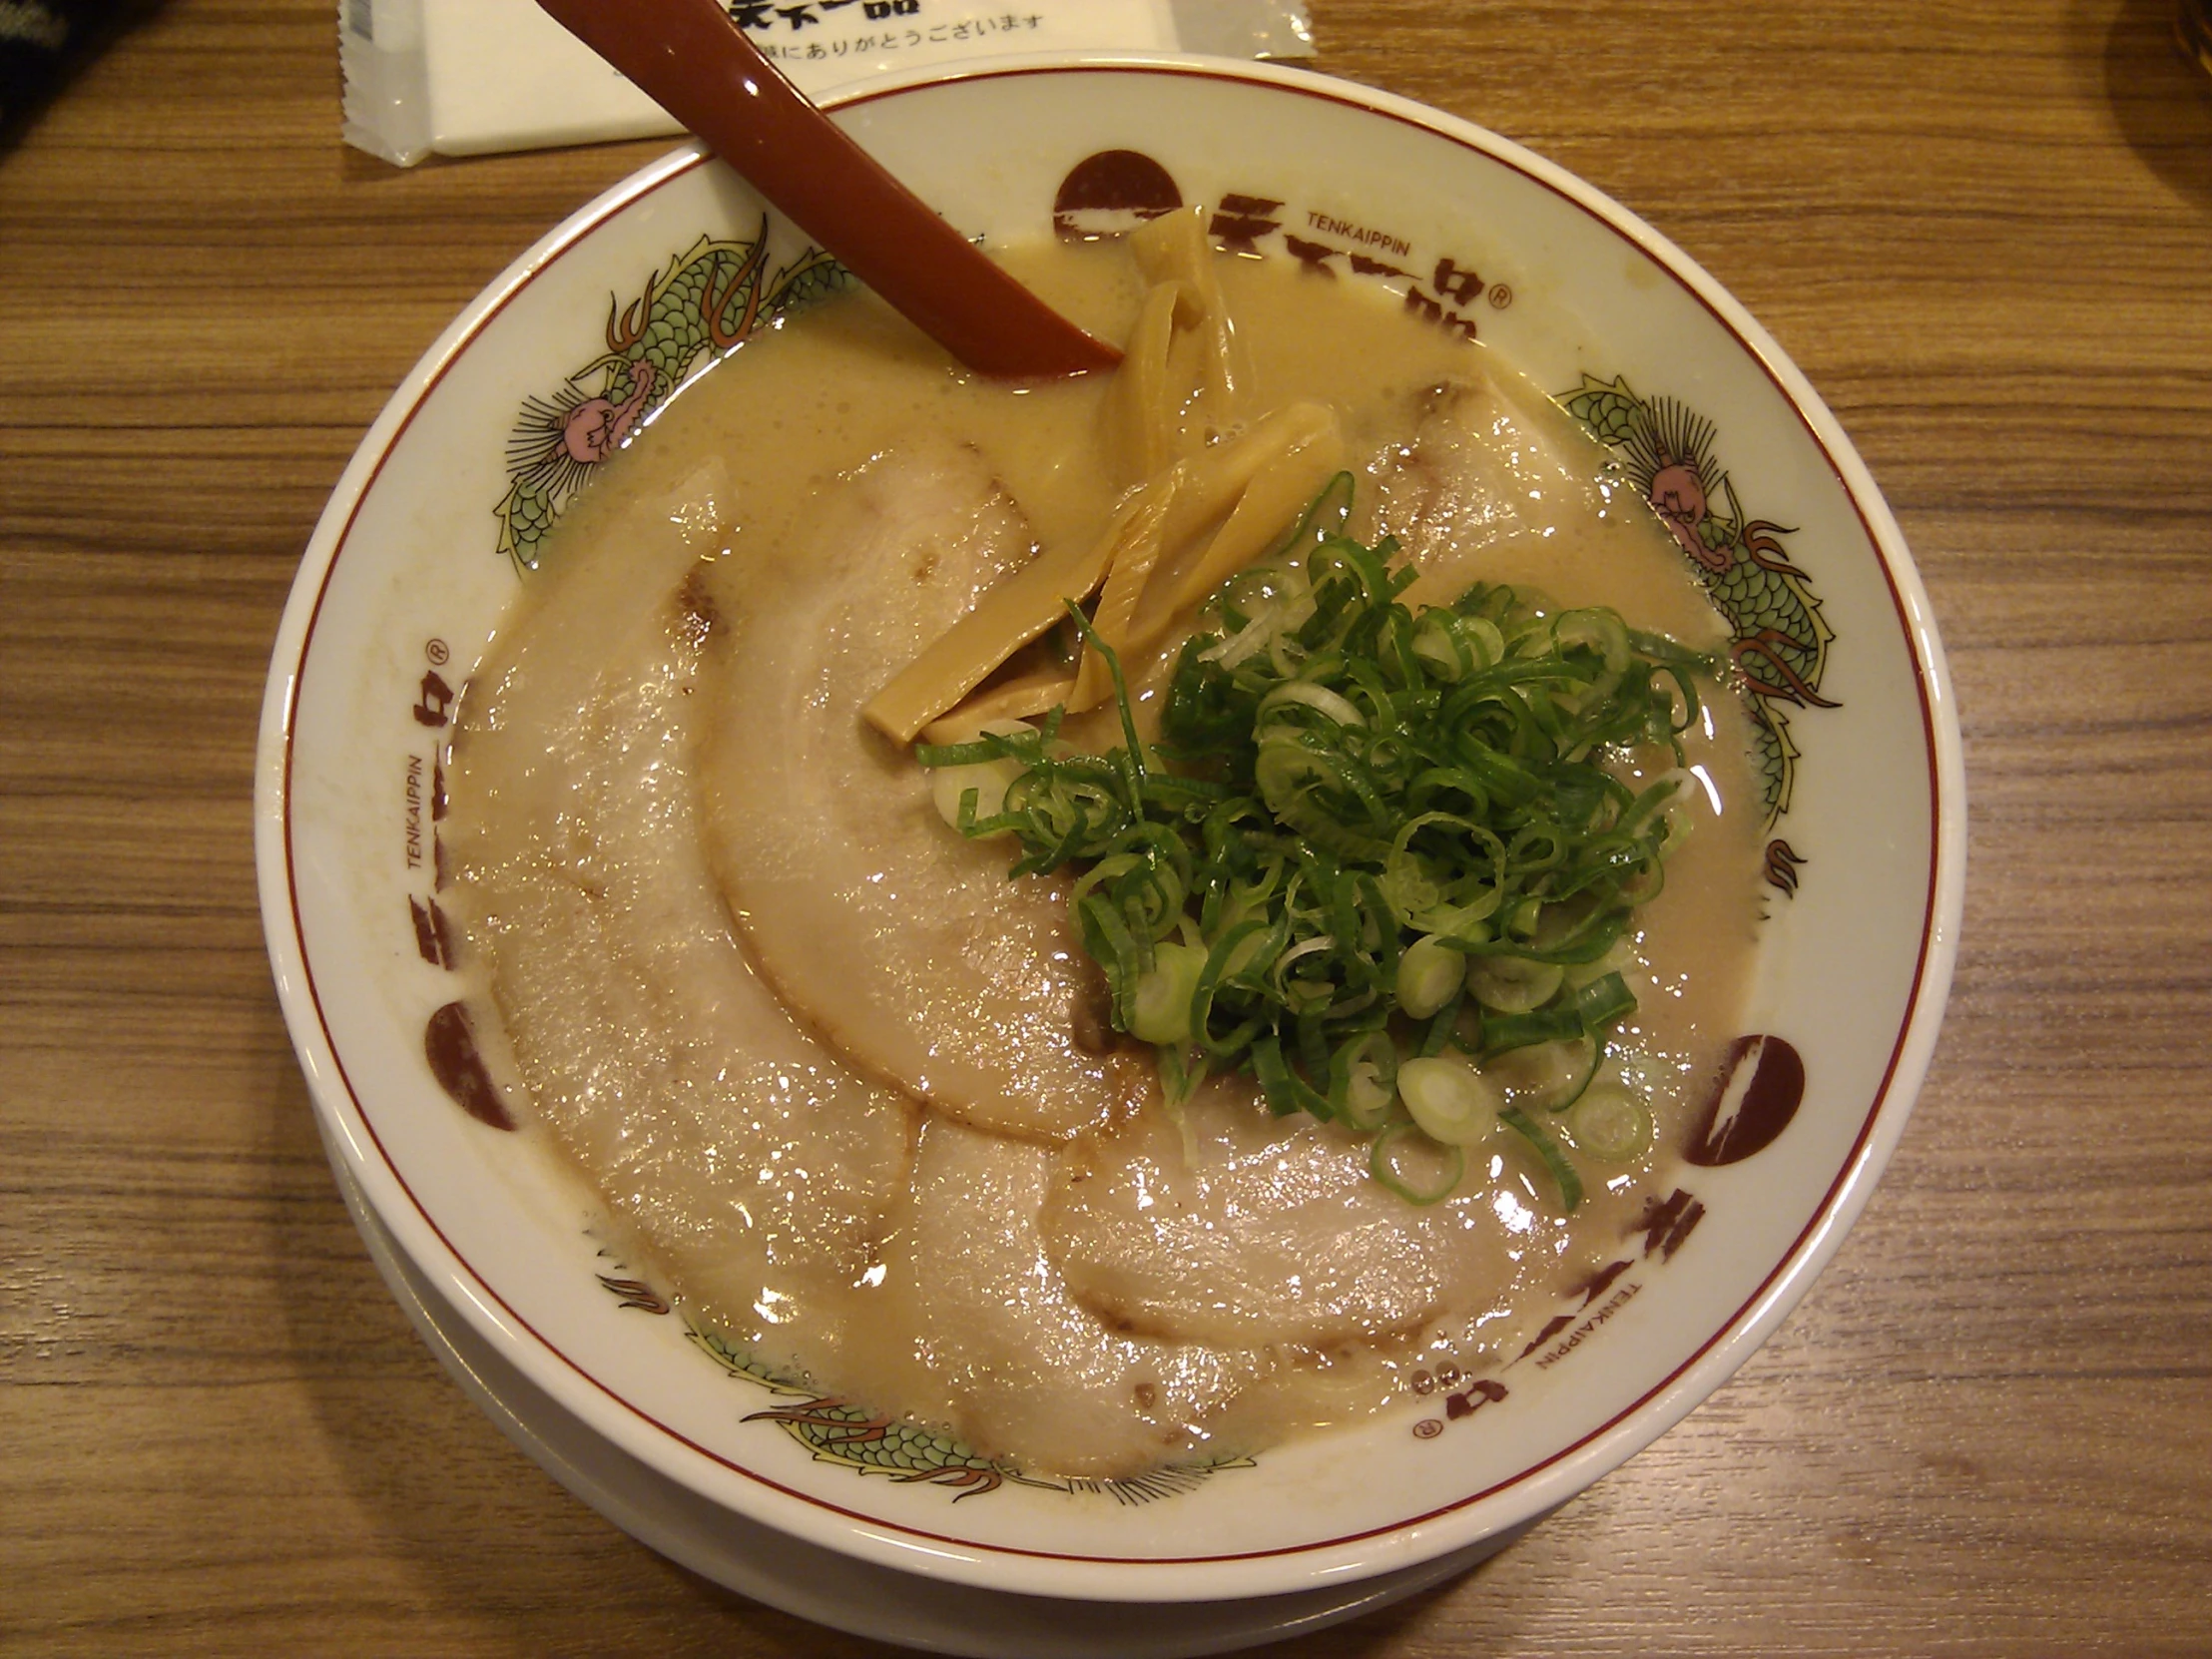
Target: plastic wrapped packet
{"x":468,"y":77}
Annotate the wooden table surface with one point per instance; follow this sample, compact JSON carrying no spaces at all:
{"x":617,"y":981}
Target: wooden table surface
{"x":1984,"y":228}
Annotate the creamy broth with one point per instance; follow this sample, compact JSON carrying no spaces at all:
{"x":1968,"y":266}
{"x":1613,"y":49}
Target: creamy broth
{"x":820,"y":1059}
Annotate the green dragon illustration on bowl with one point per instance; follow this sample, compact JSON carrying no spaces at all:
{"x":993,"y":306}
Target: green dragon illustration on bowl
{"x":836,"y":1431}
{"x":1780,"y":639}
{"x":708,"y":302}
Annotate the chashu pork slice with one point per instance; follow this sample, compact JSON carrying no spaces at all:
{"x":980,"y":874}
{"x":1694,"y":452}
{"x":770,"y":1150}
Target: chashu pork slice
{"x":1492,"y":481}
{"x":759,"y":1170}
{"x":1021,"y":1369}
{"x":900,"y":943}
{"x":1235,"y":1226}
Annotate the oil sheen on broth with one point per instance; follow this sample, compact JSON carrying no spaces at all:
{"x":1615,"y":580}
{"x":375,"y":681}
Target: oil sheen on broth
{"x":812,"y":1052}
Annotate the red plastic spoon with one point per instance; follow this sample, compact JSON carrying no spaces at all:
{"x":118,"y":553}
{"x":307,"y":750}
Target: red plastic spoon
{"x":687,"y":57}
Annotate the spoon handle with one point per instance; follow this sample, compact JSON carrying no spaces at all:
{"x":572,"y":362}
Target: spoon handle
{"x":687,"y":57}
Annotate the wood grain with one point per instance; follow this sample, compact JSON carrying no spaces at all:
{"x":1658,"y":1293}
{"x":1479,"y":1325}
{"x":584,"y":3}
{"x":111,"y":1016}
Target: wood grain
{"x":1983,"y":229}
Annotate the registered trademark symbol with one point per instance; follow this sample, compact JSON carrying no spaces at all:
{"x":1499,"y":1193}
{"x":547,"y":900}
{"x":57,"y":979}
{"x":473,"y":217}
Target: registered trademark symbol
{"x":438,"y":654}
{"x":1500,"y":297}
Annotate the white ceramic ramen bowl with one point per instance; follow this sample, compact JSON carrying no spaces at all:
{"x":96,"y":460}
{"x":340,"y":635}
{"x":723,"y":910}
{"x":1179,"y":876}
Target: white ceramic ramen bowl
{"x":417,"y":555}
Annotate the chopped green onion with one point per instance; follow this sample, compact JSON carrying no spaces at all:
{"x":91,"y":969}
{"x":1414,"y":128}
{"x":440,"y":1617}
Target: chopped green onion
{"x":1553,"y":1023}
{"x":1364,"y":826}
{"x":1611,"y":1124}
{"x":1429,"y":975}
{"x":1600,"y":631}
{"x":1568,"y":1015}
{"x":1619,"y":958}
{"x":1603,"y":1001}
{"x":1160,"y":1003}
{"x":969,"y":781}
{"x":1546,"y":1076}
{"x":1363,"y":1081}
{"x":1454,"y":1104}
{"x":1305,"y":694}
{"x":1417,"y":1169}
{"x":1570,"y":1183}
{"x":1511,"y":984}
{"x":1286,"y":1091}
